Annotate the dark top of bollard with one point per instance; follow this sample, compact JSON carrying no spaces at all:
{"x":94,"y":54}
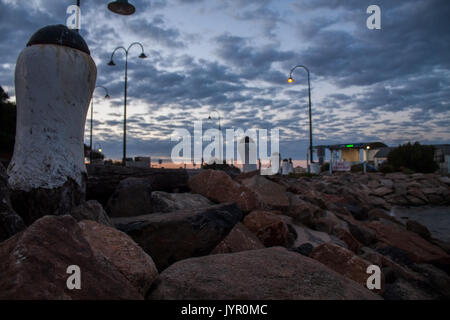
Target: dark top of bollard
{"x":59,"y":35}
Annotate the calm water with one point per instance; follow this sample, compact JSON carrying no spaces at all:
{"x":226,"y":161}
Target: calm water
{"x":436,"y":219}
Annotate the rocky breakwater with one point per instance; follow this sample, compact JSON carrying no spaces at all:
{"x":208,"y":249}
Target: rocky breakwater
{"x":223,"y":237}
{"x":341,"y":221}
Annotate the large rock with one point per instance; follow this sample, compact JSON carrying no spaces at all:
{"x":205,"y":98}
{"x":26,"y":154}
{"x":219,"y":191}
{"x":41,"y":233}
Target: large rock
{"x":305,"y":235}
{"x":352,"y":243}
{"x":239,"y":239}
{"x":359,"y":230}
{"x":445,"y":180}
{"x":419,"y":250}
{"x":301,"y":210}
{"x":217,"y":186}
{"x":394,"y":270}
{"x":10,"y":221}
{"x":35,"y":261}
{"x":407,"y":290}
{"x":387,"y":183}
{"x":382,"y":191}
{"x":433,"y":279}
{"x":418,"y":228}
{"x":343,"y":261}
{"x":378,"y":202}
{"x":132,"y":197}
{"x":271,"y":195}
{"x":104,"y":179}
{"x":326,"y":221}
{"x":414,"y":201}
{"x":266,"y":274}
{"x":169,"y":237}
{"x":268,"y":227}
{"x":382,"y":215}
{"x":417,"y":193}
{"x":122,"y":252}
{"x":91,"y":210}
{"x":168,"y":202}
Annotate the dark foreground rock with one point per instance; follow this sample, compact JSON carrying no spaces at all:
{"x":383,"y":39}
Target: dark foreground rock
{"x":343,"y":261}
{"x":132,"y":197}
{"x":270,"y":229}
{"x":270,"y":195}
{"x":170,"y":237}
{"x":10,"y":221}
{"x":239,"y":239}
{"x":34,"y":265}
{"x":217,"y":186}
{"x":121,"y":251}
{"x":418,"y":228}
{"x":103,"y":180}
{"x":91,"y":210}
{"x":416,"y":248}
{"x":168,"y":202}
{"x":272,"y":273}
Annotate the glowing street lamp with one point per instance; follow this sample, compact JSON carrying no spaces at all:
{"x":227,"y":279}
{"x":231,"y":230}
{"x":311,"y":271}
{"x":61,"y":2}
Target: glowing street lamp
{"x":99,"y":148}
{"x":111,"y":63}
{"x":291,"y":80}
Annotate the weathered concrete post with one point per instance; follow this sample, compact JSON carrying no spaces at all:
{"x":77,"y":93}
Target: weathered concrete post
{"x":54,"y":79}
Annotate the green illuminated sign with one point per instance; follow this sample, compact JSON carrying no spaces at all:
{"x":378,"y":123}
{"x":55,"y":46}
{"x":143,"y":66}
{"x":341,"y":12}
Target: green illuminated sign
{"x":350,"y":145}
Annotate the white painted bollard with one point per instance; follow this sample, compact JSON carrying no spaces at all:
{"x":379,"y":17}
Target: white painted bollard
{"x":54,"y":79}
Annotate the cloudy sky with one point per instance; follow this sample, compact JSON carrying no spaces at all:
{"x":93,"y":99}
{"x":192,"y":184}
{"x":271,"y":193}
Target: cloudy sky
{"x":234,"y":56}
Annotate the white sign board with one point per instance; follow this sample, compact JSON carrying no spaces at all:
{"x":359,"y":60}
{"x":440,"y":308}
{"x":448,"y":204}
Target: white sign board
{"x":341,"y":166}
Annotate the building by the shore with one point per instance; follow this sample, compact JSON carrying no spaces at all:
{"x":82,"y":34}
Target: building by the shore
{"x":442,"y":157}
{"x":381,"y":156}
{"x":343,"y":156}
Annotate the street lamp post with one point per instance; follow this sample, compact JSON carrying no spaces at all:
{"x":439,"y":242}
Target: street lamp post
{"x":291,"y":80}
{"x":92,"y":116}
{"x":111,"y":63}
{"x":220,"y":133}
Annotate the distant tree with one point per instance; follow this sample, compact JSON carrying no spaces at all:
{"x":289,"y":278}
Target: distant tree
{"x":7,"y":123}
{"x":3,"y":95}
{"x":416,"y":157}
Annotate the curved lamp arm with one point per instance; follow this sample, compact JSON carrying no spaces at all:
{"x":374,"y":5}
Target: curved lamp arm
{"x":111,"y":61}
{"x":298,"y":66}
{"x":105,"y":89}
{"x":142,"y":47}
{"x":218,"y":114}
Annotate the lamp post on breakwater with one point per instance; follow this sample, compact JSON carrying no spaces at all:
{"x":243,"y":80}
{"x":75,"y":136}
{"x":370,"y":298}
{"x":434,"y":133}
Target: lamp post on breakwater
{"x":291,"y":80}
{"x":111,"y":63}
